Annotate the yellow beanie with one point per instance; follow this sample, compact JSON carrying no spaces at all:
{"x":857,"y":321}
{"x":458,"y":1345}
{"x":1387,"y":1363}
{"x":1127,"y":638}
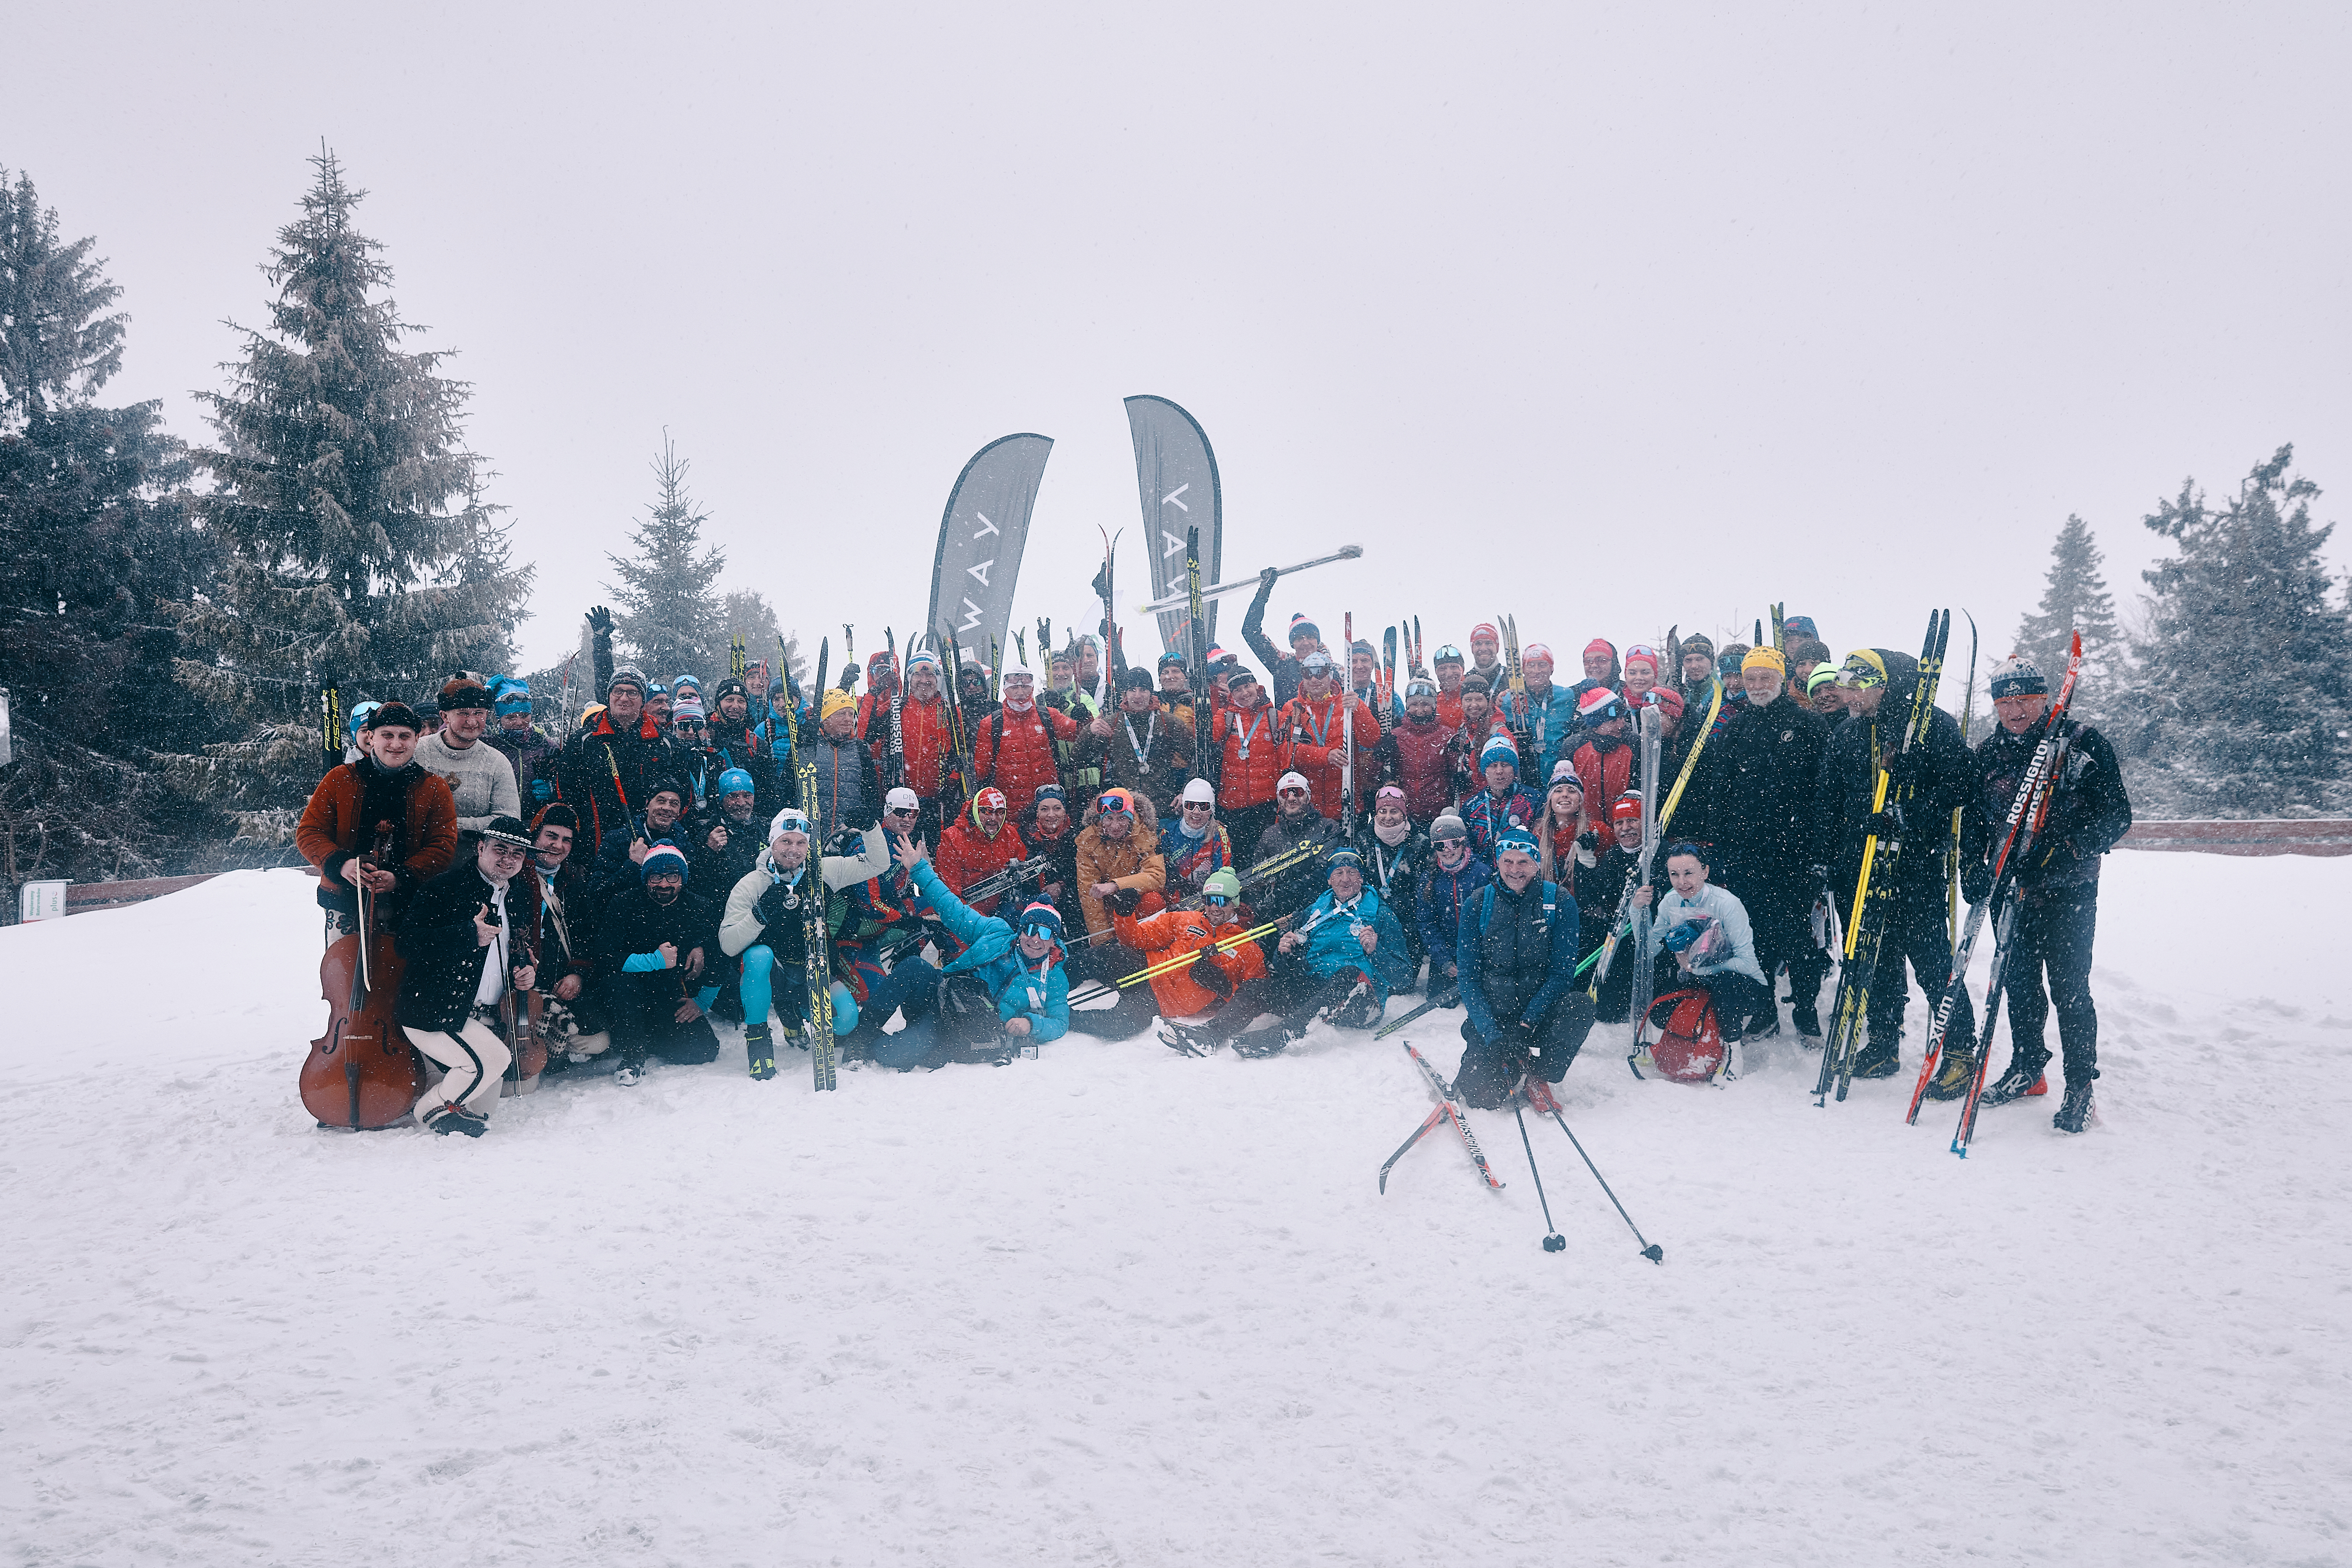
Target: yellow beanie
{"x":1764,"y":659}
{"x":832,"y":701}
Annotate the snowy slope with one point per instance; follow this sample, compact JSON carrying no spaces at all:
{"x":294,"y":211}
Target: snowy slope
{"x":1115,"y":1306}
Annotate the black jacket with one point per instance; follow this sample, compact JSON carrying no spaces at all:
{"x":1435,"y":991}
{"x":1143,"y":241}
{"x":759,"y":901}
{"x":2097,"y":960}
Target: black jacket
{"x":2089,"y":813}
{"x":1395,"y":873}
{"x":633,"y":923}
{"x":1757,"y":787}
{"x":443,"y":954}
{"x":584,"y":775}
{"x":1942,"y":781}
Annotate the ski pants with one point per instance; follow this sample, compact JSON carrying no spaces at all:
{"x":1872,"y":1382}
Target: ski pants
{"x":1490,"y":1069}
{"x":473,"y":1059}
{"x":790,"y":1004}
{"x":1298,"y":994}
{"x":1743,"y":1005}
{"x":1780,"y":904}
{"x":963,"y":1014}
{"x":1916,"y":932}
{"x":1135,"y":1007}
{"x":2055,"y":931}
{"x":644,"y":1010}
{"x":911,"y":982}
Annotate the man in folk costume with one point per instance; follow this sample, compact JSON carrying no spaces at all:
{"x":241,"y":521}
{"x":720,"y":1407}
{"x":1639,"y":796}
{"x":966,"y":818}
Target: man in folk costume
{"x":572,"y":1018}
{"x":381,"y":785}
{"x":461,"y":957}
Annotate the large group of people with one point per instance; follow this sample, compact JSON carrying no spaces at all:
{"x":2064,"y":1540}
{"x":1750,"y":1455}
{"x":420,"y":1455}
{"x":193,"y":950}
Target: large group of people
{"x":1220,"y":857}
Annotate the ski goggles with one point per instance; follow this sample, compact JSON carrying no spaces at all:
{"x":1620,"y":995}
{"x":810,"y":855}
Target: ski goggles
{"x":1218,"y":900}
{"x":1420,"y":689}
{"x":905,"y":812}
{"x":1862,"y":671}
{"x":1200,"y":805}
{"x":1448,"y":654}
{"x":1113,"y":802}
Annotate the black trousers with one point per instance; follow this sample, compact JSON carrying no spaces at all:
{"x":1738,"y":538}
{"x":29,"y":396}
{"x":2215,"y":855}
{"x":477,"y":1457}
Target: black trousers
{"x":1489,"y":1069}
{"x":1135,"y":1008}
{"x":2054,"y":936}
{"x":1779,"y":902}
{"x":642,"y":1009}
{"x":1917,"y":933}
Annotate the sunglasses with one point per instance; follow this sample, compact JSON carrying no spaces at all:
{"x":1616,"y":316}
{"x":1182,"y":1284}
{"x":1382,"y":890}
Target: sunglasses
{"x":1216,"y":901}
{"x":906,"y":811}
{"x":1200,"y":805}
{"x":1294,"y":790}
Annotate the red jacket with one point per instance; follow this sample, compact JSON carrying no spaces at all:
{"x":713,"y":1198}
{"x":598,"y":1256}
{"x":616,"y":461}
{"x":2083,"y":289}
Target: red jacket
{"x":1604,"y":778}
{"x":966,"y":855}
{"x":1252,"y":738}
{"x":1314,"y":744}
{"x":925,"y":727}
{"x":1025,"y":759}
{"x":1173,"y":933}
{"x":1413,"y":758}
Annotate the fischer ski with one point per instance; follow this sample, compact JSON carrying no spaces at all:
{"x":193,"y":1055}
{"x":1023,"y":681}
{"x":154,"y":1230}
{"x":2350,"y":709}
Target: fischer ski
{"x":818,"y":946}
{"x":1875,"y":889}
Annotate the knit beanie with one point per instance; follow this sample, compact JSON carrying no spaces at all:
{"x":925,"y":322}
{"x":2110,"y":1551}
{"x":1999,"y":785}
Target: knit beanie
{"x":663,"y":857}
{"x":2017,"y":676}
{"x":1498,"y":748}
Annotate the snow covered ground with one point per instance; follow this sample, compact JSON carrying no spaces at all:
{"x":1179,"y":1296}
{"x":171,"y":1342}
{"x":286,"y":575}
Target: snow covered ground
{"x":1115,"y":1306}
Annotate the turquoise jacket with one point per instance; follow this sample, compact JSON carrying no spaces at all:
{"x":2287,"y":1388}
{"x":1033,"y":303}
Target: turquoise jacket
{"x":1039,"y":993}
{"x":1331,"y":945}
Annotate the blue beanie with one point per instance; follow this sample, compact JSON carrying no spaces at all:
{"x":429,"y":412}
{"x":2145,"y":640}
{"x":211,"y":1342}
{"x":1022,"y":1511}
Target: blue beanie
{"x":1514,"y":838}
{"x":510,"y":693}
{"x":735,"y":778}
{"x":1498,"y":748}
{"x":664,"y":856}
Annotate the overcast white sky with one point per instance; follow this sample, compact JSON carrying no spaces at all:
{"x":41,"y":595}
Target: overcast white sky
{"x":1607,"y":316}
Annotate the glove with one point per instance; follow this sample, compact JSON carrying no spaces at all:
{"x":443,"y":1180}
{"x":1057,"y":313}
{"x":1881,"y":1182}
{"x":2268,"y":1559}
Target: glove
{"x":1903,"y":770}
{"x":771,"y":907}
{"x":1590,"y":839}
{"x":1054,"y":700}
{"x":543,"y":790}
{"x":1818,"y":873}
{"x":1520,"y":1047}
{"x":600,"y":621}
{"x":849,"y":674}
{"x":1975,"y":881}
{"x":1265,"y":580}
{"x":1125,"y":900}
{"x":1884,"y":823}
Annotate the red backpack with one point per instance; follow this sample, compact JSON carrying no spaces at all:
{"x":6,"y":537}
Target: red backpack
{"x":1689,"y":1048}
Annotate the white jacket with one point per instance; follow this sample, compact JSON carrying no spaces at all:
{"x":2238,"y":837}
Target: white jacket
{"x":1729,"y":912}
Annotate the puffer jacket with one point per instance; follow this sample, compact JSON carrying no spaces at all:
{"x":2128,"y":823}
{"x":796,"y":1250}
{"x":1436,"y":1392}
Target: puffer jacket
{"x":1133,"y":862}
{"x":1414,"y":758}
{"x":1442,"y":894}
{"x":967,"y":855}
{"x":1039,"y":992}
{"x":1171,"y":934}
{"x":1332,"y":945}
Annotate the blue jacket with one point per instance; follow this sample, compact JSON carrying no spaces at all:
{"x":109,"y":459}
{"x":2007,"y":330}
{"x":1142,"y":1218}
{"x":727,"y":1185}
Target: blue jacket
{"x":1486,"y":817}
{"x":1442,"y":894}
{"x":991,"y":956}
{"x":1559,"y":920}
{"x":1549,"y":724}
{"x":1331,"y":945}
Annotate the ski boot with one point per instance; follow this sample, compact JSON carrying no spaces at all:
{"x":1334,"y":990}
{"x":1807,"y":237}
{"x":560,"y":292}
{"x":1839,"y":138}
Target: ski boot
{"x":762,"y":1055}
{"x":629,"y":1074}
{"x":1192,"y":1040}
{"x":1260,"y":1042}
{"x":452,"y":1117}
{"x":1952,"y":1079}
{"x":1807,"y":1021}
{"x":1876,"y":1060}
{"x":2016,"y":1083}
{"x":2074,"y":1110}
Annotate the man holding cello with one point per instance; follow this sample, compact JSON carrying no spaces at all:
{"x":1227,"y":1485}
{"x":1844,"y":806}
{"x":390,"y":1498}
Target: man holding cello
{"x":384,"y":785}
{"x":464,"y":943}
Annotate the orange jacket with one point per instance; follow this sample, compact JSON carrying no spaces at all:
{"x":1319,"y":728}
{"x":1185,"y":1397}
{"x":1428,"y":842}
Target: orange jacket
{"x":1173,"y":933}
{"x":965,"y":856}
{"x":423,"y":841}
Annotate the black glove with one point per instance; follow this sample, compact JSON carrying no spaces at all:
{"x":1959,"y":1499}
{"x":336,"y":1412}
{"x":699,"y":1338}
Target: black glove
{"x":1520,"y":1047}
{"x":771,"y":907}
{"x":1884,"y":823}
{"x":1053,"y":699}
{"x":1125,"y":900}
{"x":1588,"y":839}
{"x":1265,"y":580}
{"x":849,"y":674}
{"x":600,"y":621}
{"x":1975,"y":881}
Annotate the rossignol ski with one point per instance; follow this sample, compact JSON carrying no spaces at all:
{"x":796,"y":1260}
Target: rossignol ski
{"x":816,"y":941}
{"x":2017,"y":831}
{"x":1874,"y":891}
{"x":2025,"y":827}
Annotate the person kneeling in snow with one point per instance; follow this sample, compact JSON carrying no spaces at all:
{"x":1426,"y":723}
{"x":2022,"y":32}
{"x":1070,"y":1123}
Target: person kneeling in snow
{"x":766,"y":924}
{"x":1516,"y":951}
{"x":1702,"y":938}
{"x":1004,"y":991}
{"x":1340,"y":964}
{"x":652,"y":939}
{"x":455,"y":941}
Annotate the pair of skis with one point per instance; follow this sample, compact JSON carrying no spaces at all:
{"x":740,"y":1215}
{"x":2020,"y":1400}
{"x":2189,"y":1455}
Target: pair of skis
{"x":2029,"y":809}
{"x":1874,"y":893}
{"x":1641,"y":874}
{"x":1537,"y":1095}
{"x":816,"y":940}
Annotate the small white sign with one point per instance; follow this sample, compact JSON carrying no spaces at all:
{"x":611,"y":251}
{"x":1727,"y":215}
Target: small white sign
{"x":41,"y":900}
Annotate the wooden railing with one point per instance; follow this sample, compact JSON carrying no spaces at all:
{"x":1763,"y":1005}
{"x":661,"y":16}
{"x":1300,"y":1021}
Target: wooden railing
{"x":2246,"y":836}
{"x":82,"y":898}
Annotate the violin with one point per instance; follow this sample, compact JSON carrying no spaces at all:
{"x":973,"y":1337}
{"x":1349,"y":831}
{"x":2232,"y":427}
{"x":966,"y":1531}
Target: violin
{"x":526,"y":1036}
{"x":361,"y":1074}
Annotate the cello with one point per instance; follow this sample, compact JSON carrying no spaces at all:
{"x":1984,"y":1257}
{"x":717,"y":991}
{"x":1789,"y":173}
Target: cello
{"x":361,"y":1075}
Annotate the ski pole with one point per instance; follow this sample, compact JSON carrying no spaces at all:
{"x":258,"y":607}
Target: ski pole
{"x":1650,"y":1250}
{"x":1553,"y":1240}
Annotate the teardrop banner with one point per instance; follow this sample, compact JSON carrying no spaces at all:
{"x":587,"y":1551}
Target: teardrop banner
{"x":1176,"y":479}
{"x":980,"y":536}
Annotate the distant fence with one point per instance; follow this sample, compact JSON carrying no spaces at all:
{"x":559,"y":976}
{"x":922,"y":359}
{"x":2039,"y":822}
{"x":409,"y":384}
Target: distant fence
{"x":2246,"y":836}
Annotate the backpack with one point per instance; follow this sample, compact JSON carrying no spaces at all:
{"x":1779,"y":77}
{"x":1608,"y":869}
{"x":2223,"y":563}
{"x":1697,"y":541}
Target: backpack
{"x":1689,"y":1048}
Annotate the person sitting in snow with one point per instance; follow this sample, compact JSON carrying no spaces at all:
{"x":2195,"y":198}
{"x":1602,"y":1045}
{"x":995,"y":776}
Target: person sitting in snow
{"x":1339,"y":962}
